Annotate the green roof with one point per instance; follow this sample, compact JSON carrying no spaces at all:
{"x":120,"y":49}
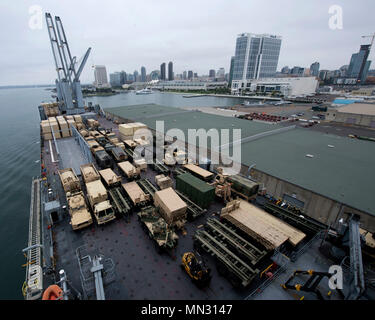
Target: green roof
{"x":195,"y":182}
{"x":344,"y":172}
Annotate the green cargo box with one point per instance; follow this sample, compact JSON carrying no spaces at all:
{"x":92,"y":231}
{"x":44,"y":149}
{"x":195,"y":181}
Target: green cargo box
{"x":243,"y":185}
{"x":195,"y":189}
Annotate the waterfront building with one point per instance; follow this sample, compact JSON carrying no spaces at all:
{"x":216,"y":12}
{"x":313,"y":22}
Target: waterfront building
{"x":100,"y":74}
{"x":190,"y":75}
{"x":162,"y":71}
{"x":143,"y":74}
{"x":170,"y":71}
{"x":314,"y":69}
{"x":256,"y":56}
{"x":359,"y":65}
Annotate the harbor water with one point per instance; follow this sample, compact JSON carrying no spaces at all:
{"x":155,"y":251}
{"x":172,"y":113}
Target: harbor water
{"x":19,"y":162}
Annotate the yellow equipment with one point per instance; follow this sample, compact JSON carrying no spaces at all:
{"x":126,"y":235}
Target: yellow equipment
{"x":195,"y":268}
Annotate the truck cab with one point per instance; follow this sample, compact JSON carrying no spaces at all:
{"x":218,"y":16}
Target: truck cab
{"x":104,"y":212}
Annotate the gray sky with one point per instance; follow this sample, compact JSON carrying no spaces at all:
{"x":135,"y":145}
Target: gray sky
{"x":195,"y":35}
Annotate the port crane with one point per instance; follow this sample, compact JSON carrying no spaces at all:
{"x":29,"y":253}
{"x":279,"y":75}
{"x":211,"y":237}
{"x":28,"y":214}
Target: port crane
{"x":68,"y":85}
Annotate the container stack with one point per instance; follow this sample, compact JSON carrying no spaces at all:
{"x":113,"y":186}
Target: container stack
{"x":127,"y":130}
{"x":63,"y":127}
{"x":55,"y":127}
{"x":46,"y":130}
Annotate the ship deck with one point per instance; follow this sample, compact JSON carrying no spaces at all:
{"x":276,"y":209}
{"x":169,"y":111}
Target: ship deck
{"x":140,"y":271}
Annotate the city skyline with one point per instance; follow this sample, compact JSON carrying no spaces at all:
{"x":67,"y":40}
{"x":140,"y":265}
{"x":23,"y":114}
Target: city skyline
{"x":197,"y":42}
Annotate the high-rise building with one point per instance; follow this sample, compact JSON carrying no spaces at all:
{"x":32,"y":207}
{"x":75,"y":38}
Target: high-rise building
{"x":359,"y":65}
{"x":314,"y":69}
{"x":285,"y":70}
{"x":184,"y":75}
{"x":143,"y":74}
{"x":155,"y":75}
{"x":297,"y":71}
{"x":115,"y":79}
{"x":170,"y":71}
{"x":256,"y":56}
{"x":212,"y":73}
{"x":220,"y":74}
{"x":162,"y":71}
{"x":195,"y":75}
{"x":100,"y":74}
{"x":190,"y":75}
{"x":124,"y":77}
{"x":135,"y":74}
{"x":231,"y":71}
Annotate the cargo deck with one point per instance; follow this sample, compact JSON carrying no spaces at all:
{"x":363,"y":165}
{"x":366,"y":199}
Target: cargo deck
{"x":140,"y":271}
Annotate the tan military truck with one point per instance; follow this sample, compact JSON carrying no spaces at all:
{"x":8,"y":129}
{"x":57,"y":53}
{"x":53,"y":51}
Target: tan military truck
{"x":89,"y":173}
{"x":80,"y":216}
{"x":110,"y":178}
{"x":98,"y":200}
{"x":129,"y":170}
{"x":69,"y":181}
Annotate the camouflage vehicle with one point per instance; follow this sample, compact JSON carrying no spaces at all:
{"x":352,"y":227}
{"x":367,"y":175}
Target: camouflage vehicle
{"x":157,"y":228}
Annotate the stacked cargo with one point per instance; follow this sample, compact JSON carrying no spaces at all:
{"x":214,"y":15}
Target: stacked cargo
{"x":127,"y":130}
{"x":77,"y":118}
{"x":50,"y":109}
{"x":46,"y":130}
{"x":163,"y":182}
{"x":71,"y":123}
{"x":63,"y":127}
{"x":55,"y":127}
{"x":198,"y":191}
{"x":92,"y":123}
{"x":171,"y":207}
{"x":89,"y":173}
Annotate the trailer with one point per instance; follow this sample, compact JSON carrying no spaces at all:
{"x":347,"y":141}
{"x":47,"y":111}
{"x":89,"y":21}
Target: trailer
{"x":129,"y":170}
{"x":193,"y":210}
{"x":136,"y":194}
{"x":121,"y":204}
{"x":110,"y":178}
{"x":147,"y":187}
{"x":228,"y":263}
{"x":160,"y":167}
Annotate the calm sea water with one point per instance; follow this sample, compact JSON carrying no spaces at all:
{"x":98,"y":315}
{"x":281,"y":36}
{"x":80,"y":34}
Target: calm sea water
{"x":19,"y":162}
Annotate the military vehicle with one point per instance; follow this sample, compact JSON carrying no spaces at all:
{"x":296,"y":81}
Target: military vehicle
{"x":119,"y":154}
{"x":129,"y":170}
{"x":79,"y":214}
{"x":89,"y":173}
{"x":157,"y":228}
{"x":69,"y":180}
{"x":98,"y":200}
{"x":103,"y":159}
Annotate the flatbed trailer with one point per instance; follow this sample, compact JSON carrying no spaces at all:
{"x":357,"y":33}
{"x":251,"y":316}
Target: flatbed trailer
{"x":230,"y":236}
{"x":193,"y":210}
{"x":160,"y":167}
{"x":147,"y":187}
{"x":303,"y":222}
{"x":229,"y":264}
{"x":121,"y":204}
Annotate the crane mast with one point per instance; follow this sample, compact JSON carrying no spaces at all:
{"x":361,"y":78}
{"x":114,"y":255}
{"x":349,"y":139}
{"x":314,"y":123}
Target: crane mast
{"x":68,"y":85}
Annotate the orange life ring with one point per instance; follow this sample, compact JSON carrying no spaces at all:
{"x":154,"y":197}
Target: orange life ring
{"x":53,"y":292}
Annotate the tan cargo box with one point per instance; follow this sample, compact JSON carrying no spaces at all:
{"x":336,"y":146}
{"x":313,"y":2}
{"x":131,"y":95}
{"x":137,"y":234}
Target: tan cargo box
{"x":96,"y":192}
{"x":135,"y":193}
{"x":110,"y":177}
{"x":128,"y":169}
{"x":170,"y":205}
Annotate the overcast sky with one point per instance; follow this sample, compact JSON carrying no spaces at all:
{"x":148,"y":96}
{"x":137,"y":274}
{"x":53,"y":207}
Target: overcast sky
{"x":195,"y":35}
